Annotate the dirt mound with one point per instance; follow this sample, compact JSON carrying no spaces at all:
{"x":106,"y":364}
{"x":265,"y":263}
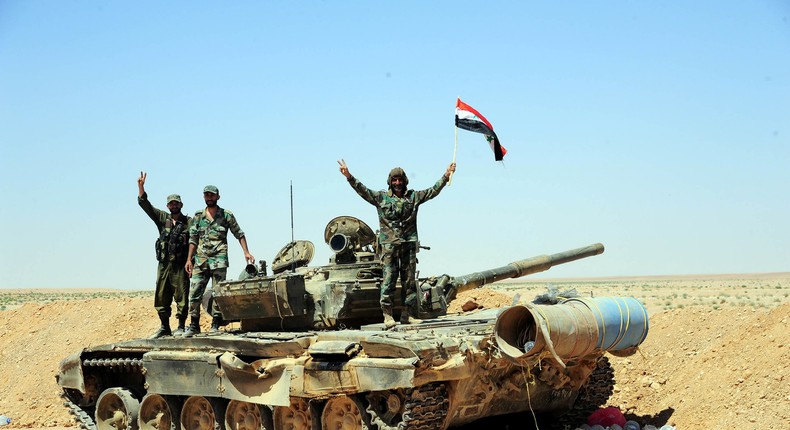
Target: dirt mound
{"x":482,"y":298}
{"x":704,"y":369}
{"x":698,"y":369}
{"x":34,"y":338}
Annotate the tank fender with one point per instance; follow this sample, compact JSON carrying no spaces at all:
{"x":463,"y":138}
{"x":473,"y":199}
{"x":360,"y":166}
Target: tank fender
{"x":361,"y":374}
{"x":341,"y":350}
{"x":455,"y":368}
{"x":183,"y":373}
{"x":262,"y":381}
{"x":70,"y":373}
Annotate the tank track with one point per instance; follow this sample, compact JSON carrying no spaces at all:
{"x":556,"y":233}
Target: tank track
{"x":592,"y":395}
{"x":425,"y":409}
{"x":80,"y":416}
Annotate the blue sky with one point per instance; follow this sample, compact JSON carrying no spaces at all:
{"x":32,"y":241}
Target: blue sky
{"x":661,"y":129}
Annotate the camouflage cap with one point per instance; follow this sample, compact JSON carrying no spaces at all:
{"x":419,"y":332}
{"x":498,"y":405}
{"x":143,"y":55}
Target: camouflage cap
{"x":211,"y":189}
{"x":397,"y":171}
{"x":174,"y":198}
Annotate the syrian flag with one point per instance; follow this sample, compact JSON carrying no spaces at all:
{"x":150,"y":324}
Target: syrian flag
{"x":467,"y":118}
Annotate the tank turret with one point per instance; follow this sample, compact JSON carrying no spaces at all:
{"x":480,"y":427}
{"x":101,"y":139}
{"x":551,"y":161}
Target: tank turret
{"x":346,"y":291}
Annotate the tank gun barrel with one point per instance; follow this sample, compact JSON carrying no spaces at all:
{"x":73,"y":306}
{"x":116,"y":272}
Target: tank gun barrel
{"x":518,"y":269}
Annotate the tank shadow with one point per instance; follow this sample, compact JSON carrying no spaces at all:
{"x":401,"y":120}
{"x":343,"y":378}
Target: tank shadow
{"x":658,"y":420}
{"x":519,"y":421}
{"x":525,"y":421}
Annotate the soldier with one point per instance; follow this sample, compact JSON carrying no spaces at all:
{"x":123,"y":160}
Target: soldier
{"x":208,"y":243}
{"x":397,"y":239}
{"x":171,"y":252}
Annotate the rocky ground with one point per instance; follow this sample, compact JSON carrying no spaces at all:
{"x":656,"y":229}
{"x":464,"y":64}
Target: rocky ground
{"x":700,"y":367}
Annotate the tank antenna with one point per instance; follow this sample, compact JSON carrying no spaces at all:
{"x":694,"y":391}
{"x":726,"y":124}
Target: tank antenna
{"x":292,"y":210}
{"x":293,"y":247}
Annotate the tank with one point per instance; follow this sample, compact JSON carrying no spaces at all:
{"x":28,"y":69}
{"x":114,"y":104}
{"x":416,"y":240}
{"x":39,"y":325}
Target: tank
{"x":306,"y":349}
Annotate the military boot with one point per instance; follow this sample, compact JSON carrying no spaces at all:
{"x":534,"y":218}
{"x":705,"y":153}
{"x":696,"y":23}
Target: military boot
{"x":409,"y":315}
{"x":216,"y":322}
{"x":389,"y":322}
{"x":408,"y":319}
{"x":180,"y":329}
{"x":194,"y":326}
{"x":164,"y":329}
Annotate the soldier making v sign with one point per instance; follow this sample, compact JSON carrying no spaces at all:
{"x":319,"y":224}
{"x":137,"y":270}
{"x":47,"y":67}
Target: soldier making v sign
{"x":397,"y":209}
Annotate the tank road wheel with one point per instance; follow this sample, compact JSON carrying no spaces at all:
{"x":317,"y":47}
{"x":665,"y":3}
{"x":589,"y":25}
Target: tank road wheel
{"x":385,"y":409}
{"x":158,"y":412}
{"x":344,"y":413}
{"x":200,"y":413}
{"x":298,"y":416}
{"x":247,"y":416}
{"x":116,"y":409}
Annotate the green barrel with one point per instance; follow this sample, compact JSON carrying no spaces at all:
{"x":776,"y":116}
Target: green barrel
{"x":519,"y":268}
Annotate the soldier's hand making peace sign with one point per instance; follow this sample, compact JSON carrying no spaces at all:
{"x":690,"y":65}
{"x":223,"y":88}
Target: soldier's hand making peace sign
{"x":141,"y":183}
{"x":344,"y":168}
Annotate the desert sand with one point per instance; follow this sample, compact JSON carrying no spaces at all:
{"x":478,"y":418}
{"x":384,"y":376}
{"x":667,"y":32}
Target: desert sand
{"x":716,"y":355}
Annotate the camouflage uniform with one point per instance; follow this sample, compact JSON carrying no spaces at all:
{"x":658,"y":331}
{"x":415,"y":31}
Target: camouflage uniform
{"x":171,"y":252}
{"x":211,"y":256}
{"x":397,"y":237}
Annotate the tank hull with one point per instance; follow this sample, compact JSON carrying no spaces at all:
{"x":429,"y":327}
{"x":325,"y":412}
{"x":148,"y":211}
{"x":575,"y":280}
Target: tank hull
{"x":311,"y":352}
{"x":452,"y":364}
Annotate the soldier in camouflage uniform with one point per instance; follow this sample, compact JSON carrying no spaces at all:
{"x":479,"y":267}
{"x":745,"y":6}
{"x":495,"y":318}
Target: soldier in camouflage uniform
{"x":172,"y":281}
{"x":208,"y":243}
{"x":397,"y":238}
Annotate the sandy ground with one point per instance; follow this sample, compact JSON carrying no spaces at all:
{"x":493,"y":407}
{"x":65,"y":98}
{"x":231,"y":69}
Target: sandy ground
{"x":704,"y":365}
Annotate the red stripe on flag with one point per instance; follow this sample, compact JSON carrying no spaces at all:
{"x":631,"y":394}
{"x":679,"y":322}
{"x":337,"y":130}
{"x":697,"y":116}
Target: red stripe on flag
{"x":463,"y":106}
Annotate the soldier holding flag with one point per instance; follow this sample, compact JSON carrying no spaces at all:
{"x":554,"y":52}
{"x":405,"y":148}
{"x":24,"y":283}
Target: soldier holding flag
{"x":397,"y":209}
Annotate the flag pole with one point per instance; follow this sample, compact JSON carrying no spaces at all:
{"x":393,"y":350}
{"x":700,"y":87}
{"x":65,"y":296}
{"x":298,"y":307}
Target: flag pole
{"x":455,"y":151}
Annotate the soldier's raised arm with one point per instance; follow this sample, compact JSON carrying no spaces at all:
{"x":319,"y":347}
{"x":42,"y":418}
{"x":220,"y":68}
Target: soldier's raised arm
{"x":450,"y":170}
{"x":141,"y":184}
{"x":363,"y":191}
{"x":158,"y":216}
{"x":344,"y":168}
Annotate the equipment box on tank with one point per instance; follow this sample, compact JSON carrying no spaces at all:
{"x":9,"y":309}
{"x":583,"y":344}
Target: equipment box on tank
{"x":262,"y":301}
